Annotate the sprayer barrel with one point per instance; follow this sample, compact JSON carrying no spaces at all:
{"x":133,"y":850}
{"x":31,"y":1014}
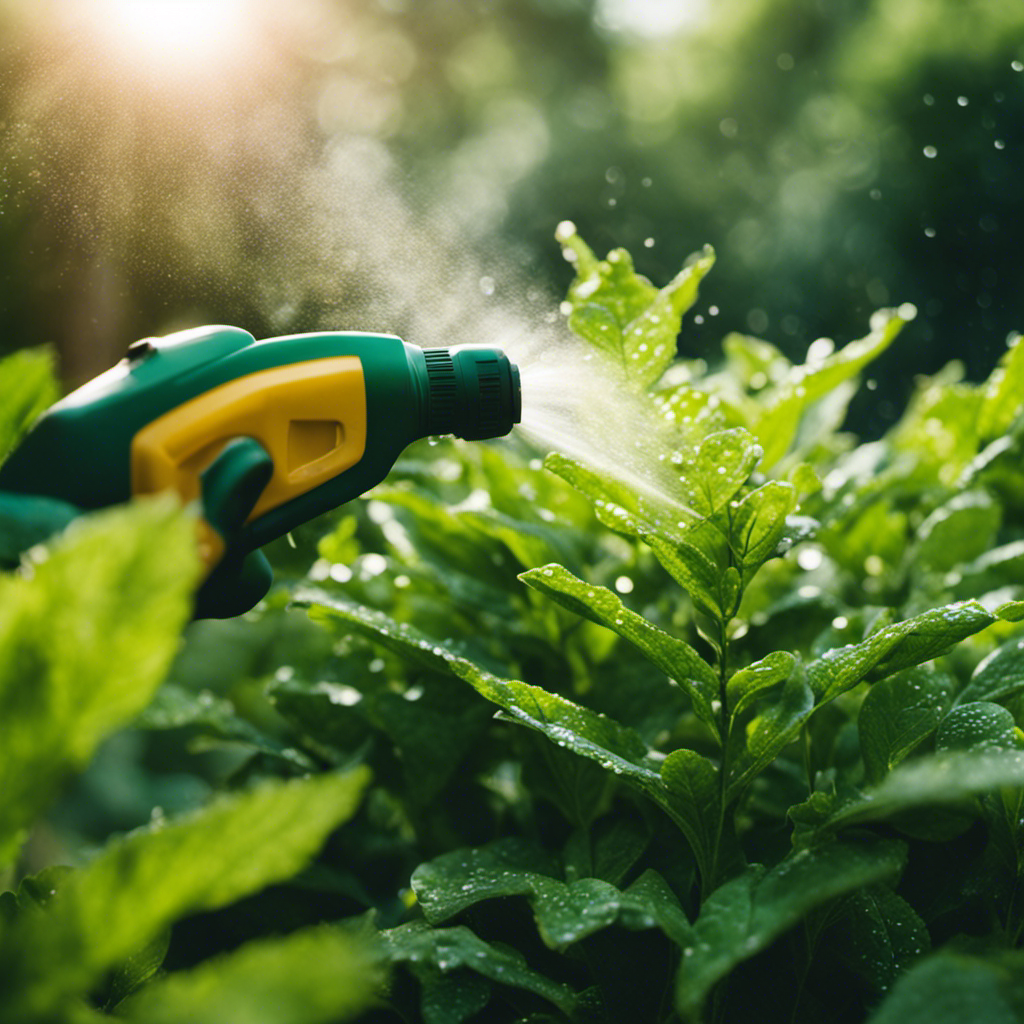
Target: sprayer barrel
{"x":473,"y":393}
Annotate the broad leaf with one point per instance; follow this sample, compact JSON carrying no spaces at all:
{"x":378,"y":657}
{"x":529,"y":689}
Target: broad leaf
{"x":999,"y":677}
{"x":952,"y":988}
{"x":449,"y":949}
{"x":694,"y":789}
{"x":745,"y":915}
{"x":896,"y":647}
{"x":139,"y":885}
{"x":565,"y":912}
{"x":1004,"y":393}
{"x":878,"y":936}
{"x":899,"y":713}
{"x":979,"y":726}
{"x":318,"y":975}
{"x":85,"y":640}
{"x":746,"y":685}
{"x":759,"y":523}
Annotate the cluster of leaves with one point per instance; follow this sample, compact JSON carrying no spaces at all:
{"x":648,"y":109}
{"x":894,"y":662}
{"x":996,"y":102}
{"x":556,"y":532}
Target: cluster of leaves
{"x":768,"y":764}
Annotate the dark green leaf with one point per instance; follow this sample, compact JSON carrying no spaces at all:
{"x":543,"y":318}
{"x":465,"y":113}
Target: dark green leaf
{"x":745,"y":915}
{"x":899,"y":713}
{"x":748,"y":683}
{"x":979,"y":726}
{"x":450,"y":949}
{"x":999,"y":677}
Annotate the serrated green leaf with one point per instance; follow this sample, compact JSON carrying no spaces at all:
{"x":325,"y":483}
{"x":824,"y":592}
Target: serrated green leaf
{"x":898,"y":713}
{"x":85,"y":640}
{"x":27,"y":387}
{"x":721,"y":465}
{"x":759,"y":523}
{"x":901,"y":645}
{"x":979,"y":726}
{"x":1003,"y":394}
{"x":745,"y":915}
{"x":316,"y":975}
{"x":622,"y":314}
{"x":748,"y":683}
{"x":878,"y":936}
{"x":676,"y":658}
{"x":450,"y":949}
{"x":998,"y":677}
{"x":139,"y":885}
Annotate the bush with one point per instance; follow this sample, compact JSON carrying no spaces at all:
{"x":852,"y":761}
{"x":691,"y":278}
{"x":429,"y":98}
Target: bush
{"x":768,"y":764}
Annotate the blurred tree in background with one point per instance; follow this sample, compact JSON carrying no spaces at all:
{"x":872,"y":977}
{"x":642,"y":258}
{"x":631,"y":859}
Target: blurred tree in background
{"x":401,"y":165}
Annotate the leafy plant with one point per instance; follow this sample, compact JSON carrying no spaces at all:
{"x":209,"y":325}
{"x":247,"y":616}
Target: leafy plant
{"x":739,"y":743}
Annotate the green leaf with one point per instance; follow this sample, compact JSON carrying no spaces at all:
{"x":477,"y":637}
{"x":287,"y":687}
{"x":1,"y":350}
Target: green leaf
{"x":944,"y":778}
{"x":777,"y":427}
{"x":749,"y":683}
{"x":632,"y":508}
{"x":565,"y":912}
{"x":878,"y":936}
{"x":315,"y":975}
{"x":898,"y":713}
{"x":141,"y":884}
{"x":27,"y":387}
{"x":957,"y":532}
{"x":979,"y":726}
{"x":576,"y":728}
{"x":998,"y":677}
{"x":1003,"y":395}
{"x":713,"y":587}
{"x":85,"y":640}
{"x":769,"y":733}
{"x":450,"y":949}
{"x":722,"y":464}
{"x":676,"y":658}
{"x":949,"y":988}
{"x":896,"y":647}
{"x":174,"y":707}
{"x":742,"y":917}
{"x":759,"y":523}
{"x":694,"y":789}
{"x":622,"y":314}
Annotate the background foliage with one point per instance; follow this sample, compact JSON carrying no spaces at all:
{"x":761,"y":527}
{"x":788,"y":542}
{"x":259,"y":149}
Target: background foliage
{"x":516,"y":739}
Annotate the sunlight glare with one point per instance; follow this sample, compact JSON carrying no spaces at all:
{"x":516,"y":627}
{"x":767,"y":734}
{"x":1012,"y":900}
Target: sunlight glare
{"x":171,"y":30}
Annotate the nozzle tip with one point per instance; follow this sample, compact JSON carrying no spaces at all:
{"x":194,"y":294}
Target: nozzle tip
{"x":474,"y":393}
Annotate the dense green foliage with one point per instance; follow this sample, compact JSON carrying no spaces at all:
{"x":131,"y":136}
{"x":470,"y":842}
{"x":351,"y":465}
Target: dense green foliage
{"x":739,"y":744}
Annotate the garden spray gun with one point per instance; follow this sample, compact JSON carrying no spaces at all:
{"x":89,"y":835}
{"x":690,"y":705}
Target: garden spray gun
{"x":268,"y":434}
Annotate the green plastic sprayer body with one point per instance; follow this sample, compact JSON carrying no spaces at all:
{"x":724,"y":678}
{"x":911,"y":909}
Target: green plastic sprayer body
{"x":267,"y":434}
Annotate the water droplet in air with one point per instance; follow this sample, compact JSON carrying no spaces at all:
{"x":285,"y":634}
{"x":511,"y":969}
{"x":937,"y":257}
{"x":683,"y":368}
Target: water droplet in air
{"x":930,"y":152}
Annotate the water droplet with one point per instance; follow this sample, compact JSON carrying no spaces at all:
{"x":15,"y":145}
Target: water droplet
{"x":648,"y":243}
{"x":930,"y":152}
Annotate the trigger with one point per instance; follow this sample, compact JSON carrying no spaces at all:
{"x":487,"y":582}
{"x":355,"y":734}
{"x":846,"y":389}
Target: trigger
{"x":232,"y":484}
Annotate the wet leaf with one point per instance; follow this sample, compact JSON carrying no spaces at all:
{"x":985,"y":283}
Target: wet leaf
{"x":742,"y":917}
{"x":899,"y":713}
{"x":28,"y":386}
{"x":676,"y":658}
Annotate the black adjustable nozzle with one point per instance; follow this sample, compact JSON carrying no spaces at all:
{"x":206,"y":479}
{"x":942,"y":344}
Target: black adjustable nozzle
{"x":473,"y":393}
